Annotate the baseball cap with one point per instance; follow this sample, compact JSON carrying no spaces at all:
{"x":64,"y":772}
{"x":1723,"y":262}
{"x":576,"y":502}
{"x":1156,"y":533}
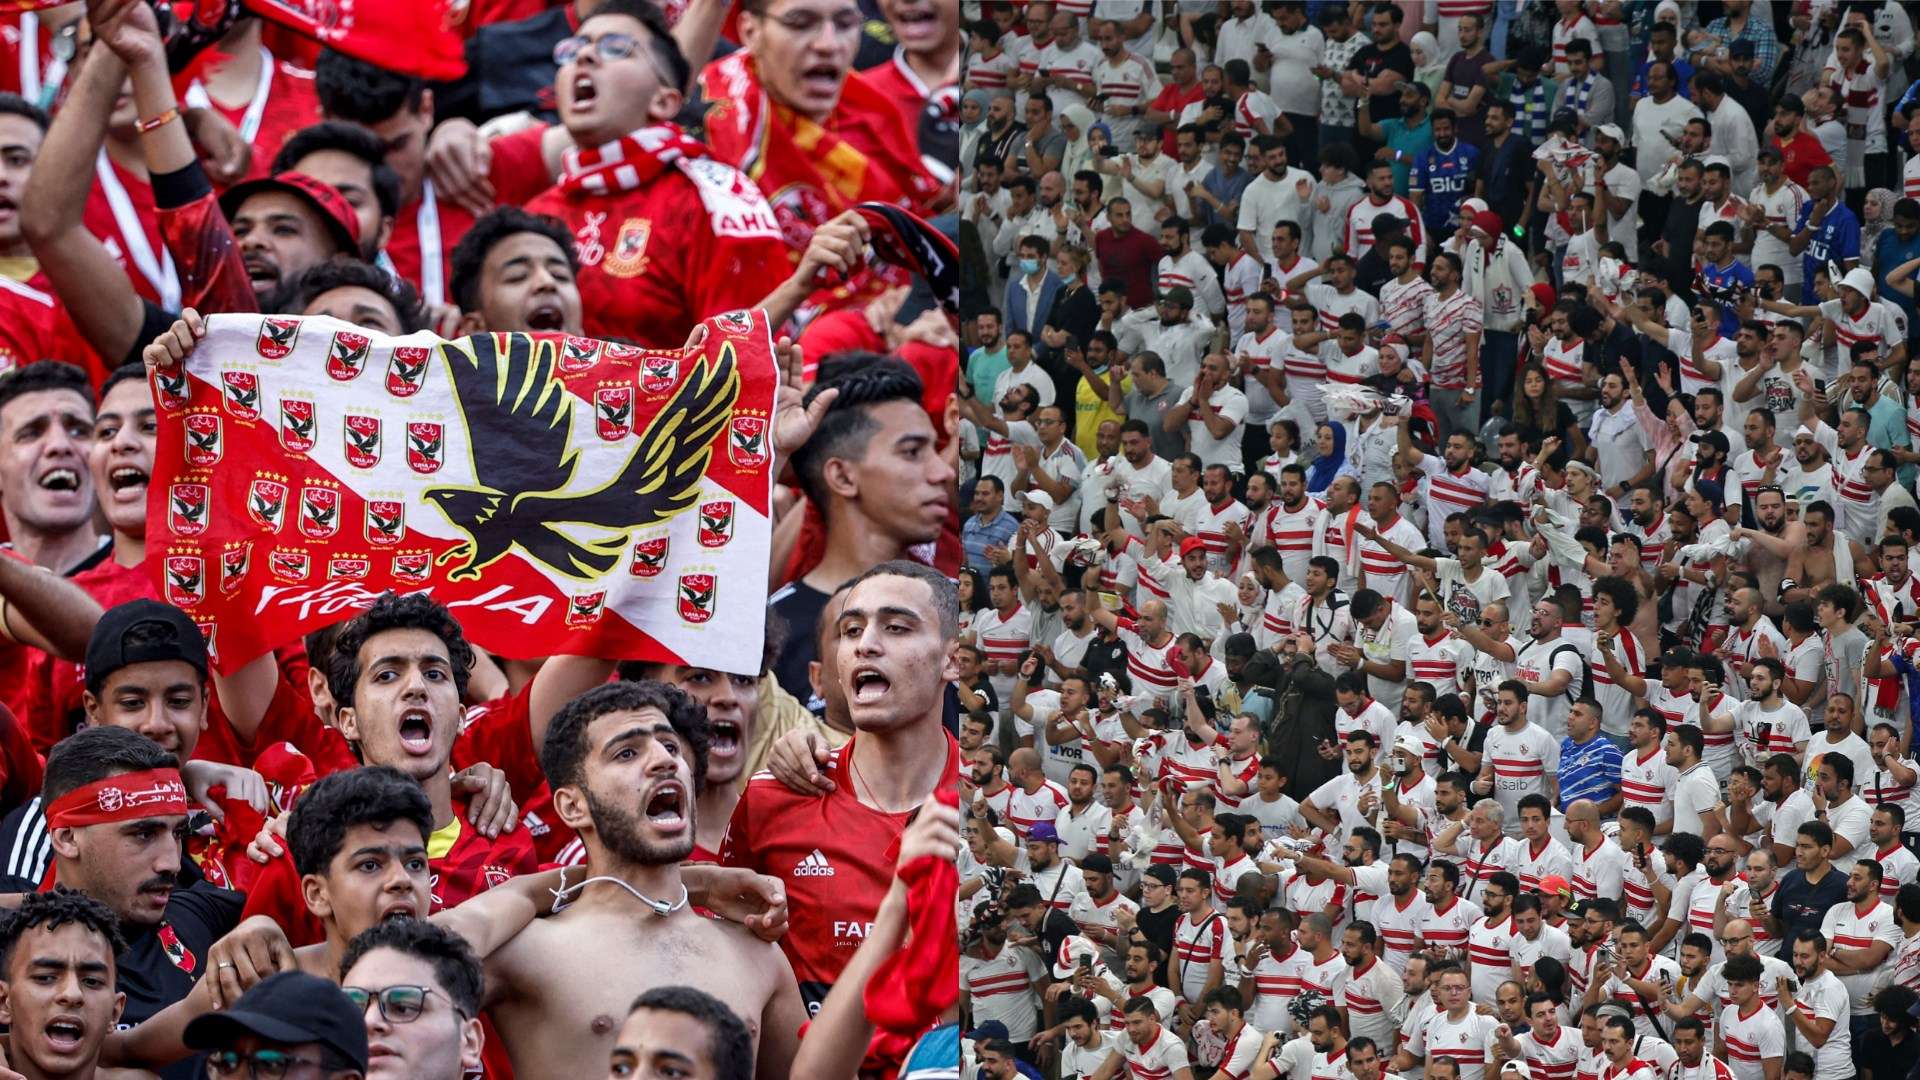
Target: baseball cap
{"x":1161,"y":873}
{"x":1043,"y":830}
{"x":1178,"y":294}
{"x":163,"y":633}
{"x":1516,"y":1068}
{"x":343,"y":224}
{"x":1741,"y":50}
{"x":1097,"y":863}
{"x":1036,"y":497}
{"x":1554,"y":884}
{"x":288,"y":1007}
{"x":1190,"y":545}
{"x":992,"y":1029}
{"x":1411,"y":745}
{"x":1612,"y":131}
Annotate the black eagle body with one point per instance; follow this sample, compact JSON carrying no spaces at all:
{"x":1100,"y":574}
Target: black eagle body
{"x":520,"y":428}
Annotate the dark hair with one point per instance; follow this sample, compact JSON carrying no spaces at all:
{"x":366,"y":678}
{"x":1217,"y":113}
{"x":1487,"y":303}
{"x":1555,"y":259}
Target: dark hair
{"x":564,"y":753}
{"x":45,"y":374}
{"x":728,"y":1043}
{"x":131,"y":371}
{"x":293,"y":297}
{"x":353,"y":89}
{"x":416,"y":611}
{"x":15,"y":105}
{"x":348,"y":138}
{"x":660,"y":39}
{"x":848,"y":427}
{"x":54,"y":909}
{"x":946,"y":596}
{"x":95,"y":753}
{"x":371,"y":795}
{"x":470,"y":254}
{"x":1625,"y":600}
{"x":454,"y":966}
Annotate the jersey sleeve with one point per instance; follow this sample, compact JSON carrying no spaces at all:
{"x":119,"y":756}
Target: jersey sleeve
{"x":212,"y":277}
{"x":500,"y":733}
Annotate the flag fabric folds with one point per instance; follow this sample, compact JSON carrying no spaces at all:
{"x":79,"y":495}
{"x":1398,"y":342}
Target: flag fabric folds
{"x":561,"y":494}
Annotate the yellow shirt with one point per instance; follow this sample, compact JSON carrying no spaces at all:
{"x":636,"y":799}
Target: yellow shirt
{"x":1090,"y":410}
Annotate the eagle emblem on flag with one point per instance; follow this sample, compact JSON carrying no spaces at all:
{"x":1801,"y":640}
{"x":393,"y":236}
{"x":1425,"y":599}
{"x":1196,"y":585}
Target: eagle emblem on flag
{"x":347,"y":355}
{"x":277,"y":337}
{"x":186,"y":580}
{"x":696,"y":597}
{"x":242,"y":399}
{"x":187,"y":509}
{"x":407,"y":370}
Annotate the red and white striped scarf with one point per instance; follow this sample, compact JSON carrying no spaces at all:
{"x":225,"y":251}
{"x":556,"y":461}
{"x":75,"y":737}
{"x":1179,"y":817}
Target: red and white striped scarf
{"x":734,"y":205}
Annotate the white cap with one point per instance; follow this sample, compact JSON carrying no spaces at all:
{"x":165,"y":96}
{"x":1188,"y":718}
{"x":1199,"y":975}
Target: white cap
{"x":1470,"y":207}
{"x":1612,"y":131}
{"x":1067,"y":960}
{"x":1803,"y":432}
{"x":1860,"y":280}
{"x":1036,"y":497}
{"x":1411,"y":745}
{"x":1517,"y":1068}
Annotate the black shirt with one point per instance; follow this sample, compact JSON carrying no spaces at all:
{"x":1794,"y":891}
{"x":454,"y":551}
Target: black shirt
{"x":1106,"y":655}
{"x":1802,"y":907}
{"x":799,"y":606}
{"x":1157,"y":926}
{"x":1371,"y":60}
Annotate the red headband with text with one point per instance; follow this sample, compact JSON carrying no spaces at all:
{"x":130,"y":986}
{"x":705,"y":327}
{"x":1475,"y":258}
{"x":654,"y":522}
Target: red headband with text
{"x":126,"y":797}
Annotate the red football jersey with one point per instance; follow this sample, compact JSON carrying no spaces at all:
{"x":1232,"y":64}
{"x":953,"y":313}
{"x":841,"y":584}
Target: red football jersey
{"x":652,"y":262}
{"x":835,"y":856}
{"x":34,"y":325}
{"x":500,"y":733}
{"x":289,"y":104}
{"x":433,"y":223}
{"x":121,"y":215}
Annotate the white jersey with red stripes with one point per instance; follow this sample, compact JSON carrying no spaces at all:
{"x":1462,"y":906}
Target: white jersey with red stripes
{"x":1468,"y":1041}
{"x":1158,"y":1059}
{"x":1276,"y":982}
{"x":1386,"y":574}
{"x":1445,"y":491}
{"x":1331,"y":303}
{"x":1600,"y":871}
{"x":1154,"y":668}
{"x":1490,"y":953}
{"x":1293,"y":533}
{"x":1752,"y":1036}
{"x":1647,"y":780}
{"x":1361,"y":216}
{"x":1399,"y":922}
{"x":1372,"y":995}
{"x":1848,"y":927}
{"x":1025,"y":809}
{"x":1554,"y":1059}
{"x":1446,"y":927}
{"x":1197,"y":943}
{"x":1880,"y":324}
{"x":1539,"y":861}
{"x":1443,"y":660}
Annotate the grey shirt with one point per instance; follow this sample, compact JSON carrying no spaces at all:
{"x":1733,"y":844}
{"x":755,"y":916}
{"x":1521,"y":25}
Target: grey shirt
{"x":1151,"y":411}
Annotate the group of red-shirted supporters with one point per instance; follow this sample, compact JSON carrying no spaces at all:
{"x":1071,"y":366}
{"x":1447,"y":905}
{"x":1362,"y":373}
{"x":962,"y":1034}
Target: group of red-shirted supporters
{"x":1440,"y":574}
{"x":517,"y":865}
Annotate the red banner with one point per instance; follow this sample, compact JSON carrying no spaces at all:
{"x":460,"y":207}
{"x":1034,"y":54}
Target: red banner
{"x":560,"y":494}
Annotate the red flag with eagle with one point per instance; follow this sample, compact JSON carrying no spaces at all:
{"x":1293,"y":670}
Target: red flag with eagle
{"x":560,"y":494}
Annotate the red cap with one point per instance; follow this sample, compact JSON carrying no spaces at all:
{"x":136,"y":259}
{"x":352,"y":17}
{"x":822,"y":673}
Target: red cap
{"x":1487,"y":222}
{"x":1543,"y":292}
{"x":1190,"y":545}
{"x":334,"y":210}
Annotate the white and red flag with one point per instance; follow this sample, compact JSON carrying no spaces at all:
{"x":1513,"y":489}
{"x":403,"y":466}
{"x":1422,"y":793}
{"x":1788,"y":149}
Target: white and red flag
{"x":560,"y":494}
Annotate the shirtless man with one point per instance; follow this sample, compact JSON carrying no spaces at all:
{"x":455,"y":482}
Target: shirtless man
{"x":626,"y":761}
{"x":1811,"y":565}
{"x":1774,"y":543}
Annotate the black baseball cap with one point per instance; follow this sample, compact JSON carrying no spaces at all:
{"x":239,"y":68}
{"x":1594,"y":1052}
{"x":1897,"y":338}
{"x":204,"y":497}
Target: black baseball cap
{"x":164,"y":633}
{"x":1162,"y":873}
{"x":288,"y":1007}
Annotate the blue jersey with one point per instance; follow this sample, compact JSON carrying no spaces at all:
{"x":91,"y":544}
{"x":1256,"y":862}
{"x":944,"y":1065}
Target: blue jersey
{"x":1722,"y":285}
{"x":1447,"y":178}
{"x":1837,"y":239}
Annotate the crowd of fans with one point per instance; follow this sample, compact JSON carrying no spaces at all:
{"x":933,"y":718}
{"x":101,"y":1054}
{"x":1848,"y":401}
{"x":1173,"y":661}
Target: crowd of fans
{"x":382,"y":850}
{"x":1440,"y":583}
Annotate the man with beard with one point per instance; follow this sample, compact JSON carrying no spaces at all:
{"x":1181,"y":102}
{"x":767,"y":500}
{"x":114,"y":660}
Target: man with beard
{"x":1544,"y":1045}
{"x":1825,"y":232}
{"x":1863,"y":932}
{"x":1719,"y":862}
{"x":58,"y":983}
{"x":1766,"y":723}
{"x":1619,"y":446}
{"x":1821,"y":1008}
{"x":893,"y":657}
{"x":1490,"y":938}
{"x":1827,"y":557}
{"x":1182,"y":266}
{"x":1774,"y":538}
{"x":1799,"y":149}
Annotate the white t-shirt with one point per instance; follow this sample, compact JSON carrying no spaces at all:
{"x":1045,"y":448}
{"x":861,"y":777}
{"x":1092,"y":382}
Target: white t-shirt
{"x":1694,"y":791}
{"x":1522,"y":761}
{"x":1826,"y":998}
{"x":1212,"y":450}
{"x":1549,"y":711}
{"x":1845,"y":927}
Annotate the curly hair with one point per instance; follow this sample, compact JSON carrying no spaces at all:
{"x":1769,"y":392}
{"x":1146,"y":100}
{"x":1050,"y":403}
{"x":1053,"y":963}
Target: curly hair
{"x":53,"y":910}
{"x":416,"y":611}
{"x":496,"y":225}
{"x":371,"y":795}
{"x":564,"y":754}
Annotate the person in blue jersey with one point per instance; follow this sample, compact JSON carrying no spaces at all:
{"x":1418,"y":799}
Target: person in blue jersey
{"x":1826,"y":230}
{"x":1723,"y":278}
{"x":1444,"y":175}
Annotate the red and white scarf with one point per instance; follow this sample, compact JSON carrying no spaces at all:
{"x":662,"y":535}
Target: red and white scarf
{"x":734,"y":205}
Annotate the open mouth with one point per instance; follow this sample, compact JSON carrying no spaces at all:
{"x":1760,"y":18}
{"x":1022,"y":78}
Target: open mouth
{"x":261,"y":271}
{"x":584,"y":92}
{"x":127,"y":478}
{"x":416,"y":731}
{"x":869,"y":685}
{"x":64,"y":1034}
{"x":666,"y":808}
{"x":822,"y":79}
{"x":62,"y":478}
{"x":401,"y":910}
{"x":726,"y":738}
{"x":547,"y":316}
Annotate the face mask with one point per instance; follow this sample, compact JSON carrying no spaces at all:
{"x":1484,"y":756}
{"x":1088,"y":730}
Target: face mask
{"x":1029,"y":266}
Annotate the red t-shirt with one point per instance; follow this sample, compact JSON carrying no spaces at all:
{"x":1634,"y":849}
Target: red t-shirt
{"x":291,"y":104}
{"x":835,"y":856}
{"x":422,"y":217}
{"x":500,"y":733}
{"x":20,"y":64}
{"x":124,"y":235}
{"x":34,"y":325}
{"x":652,"y":264}
{"x":1801,"y":155}
{"x":1171,"y":100}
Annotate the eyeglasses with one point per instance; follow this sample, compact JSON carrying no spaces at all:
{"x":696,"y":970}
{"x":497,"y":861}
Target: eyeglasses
{"x":614,"y":46}
{"x":261,"y":1064}
{"x":398,"y":1004}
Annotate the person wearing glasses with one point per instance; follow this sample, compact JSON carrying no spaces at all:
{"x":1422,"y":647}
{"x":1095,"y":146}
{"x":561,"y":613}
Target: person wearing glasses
{"x":418,"y":987}
{"x":291,"y":1024}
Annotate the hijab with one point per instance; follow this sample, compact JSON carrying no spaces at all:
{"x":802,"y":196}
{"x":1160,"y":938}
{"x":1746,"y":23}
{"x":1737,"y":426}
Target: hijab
{"x":1078,"y":155}
{"x":1324,"y":469}
{"x":1434,"y":70}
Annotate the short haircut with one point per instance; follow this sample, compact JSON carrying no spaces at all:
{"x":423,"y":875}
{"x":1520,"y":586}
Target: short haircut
{"x":372,"y":795}
{"x":660,"y":40}
{"x":95,"y":753}
{"x":946,"y":594}
{"x":454,"y":966}
{"x":293,"y":297}
{"x":728,"y":1043}
{"x":45,"y":374}
{"x":415,"y":611}
{"x":848,"y":427}
{"x":496,"y":225}
{"x":354,"y":140}
{"x":350,"y":88}
{"x":563,"y":755}
{"x":15,"y":105}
